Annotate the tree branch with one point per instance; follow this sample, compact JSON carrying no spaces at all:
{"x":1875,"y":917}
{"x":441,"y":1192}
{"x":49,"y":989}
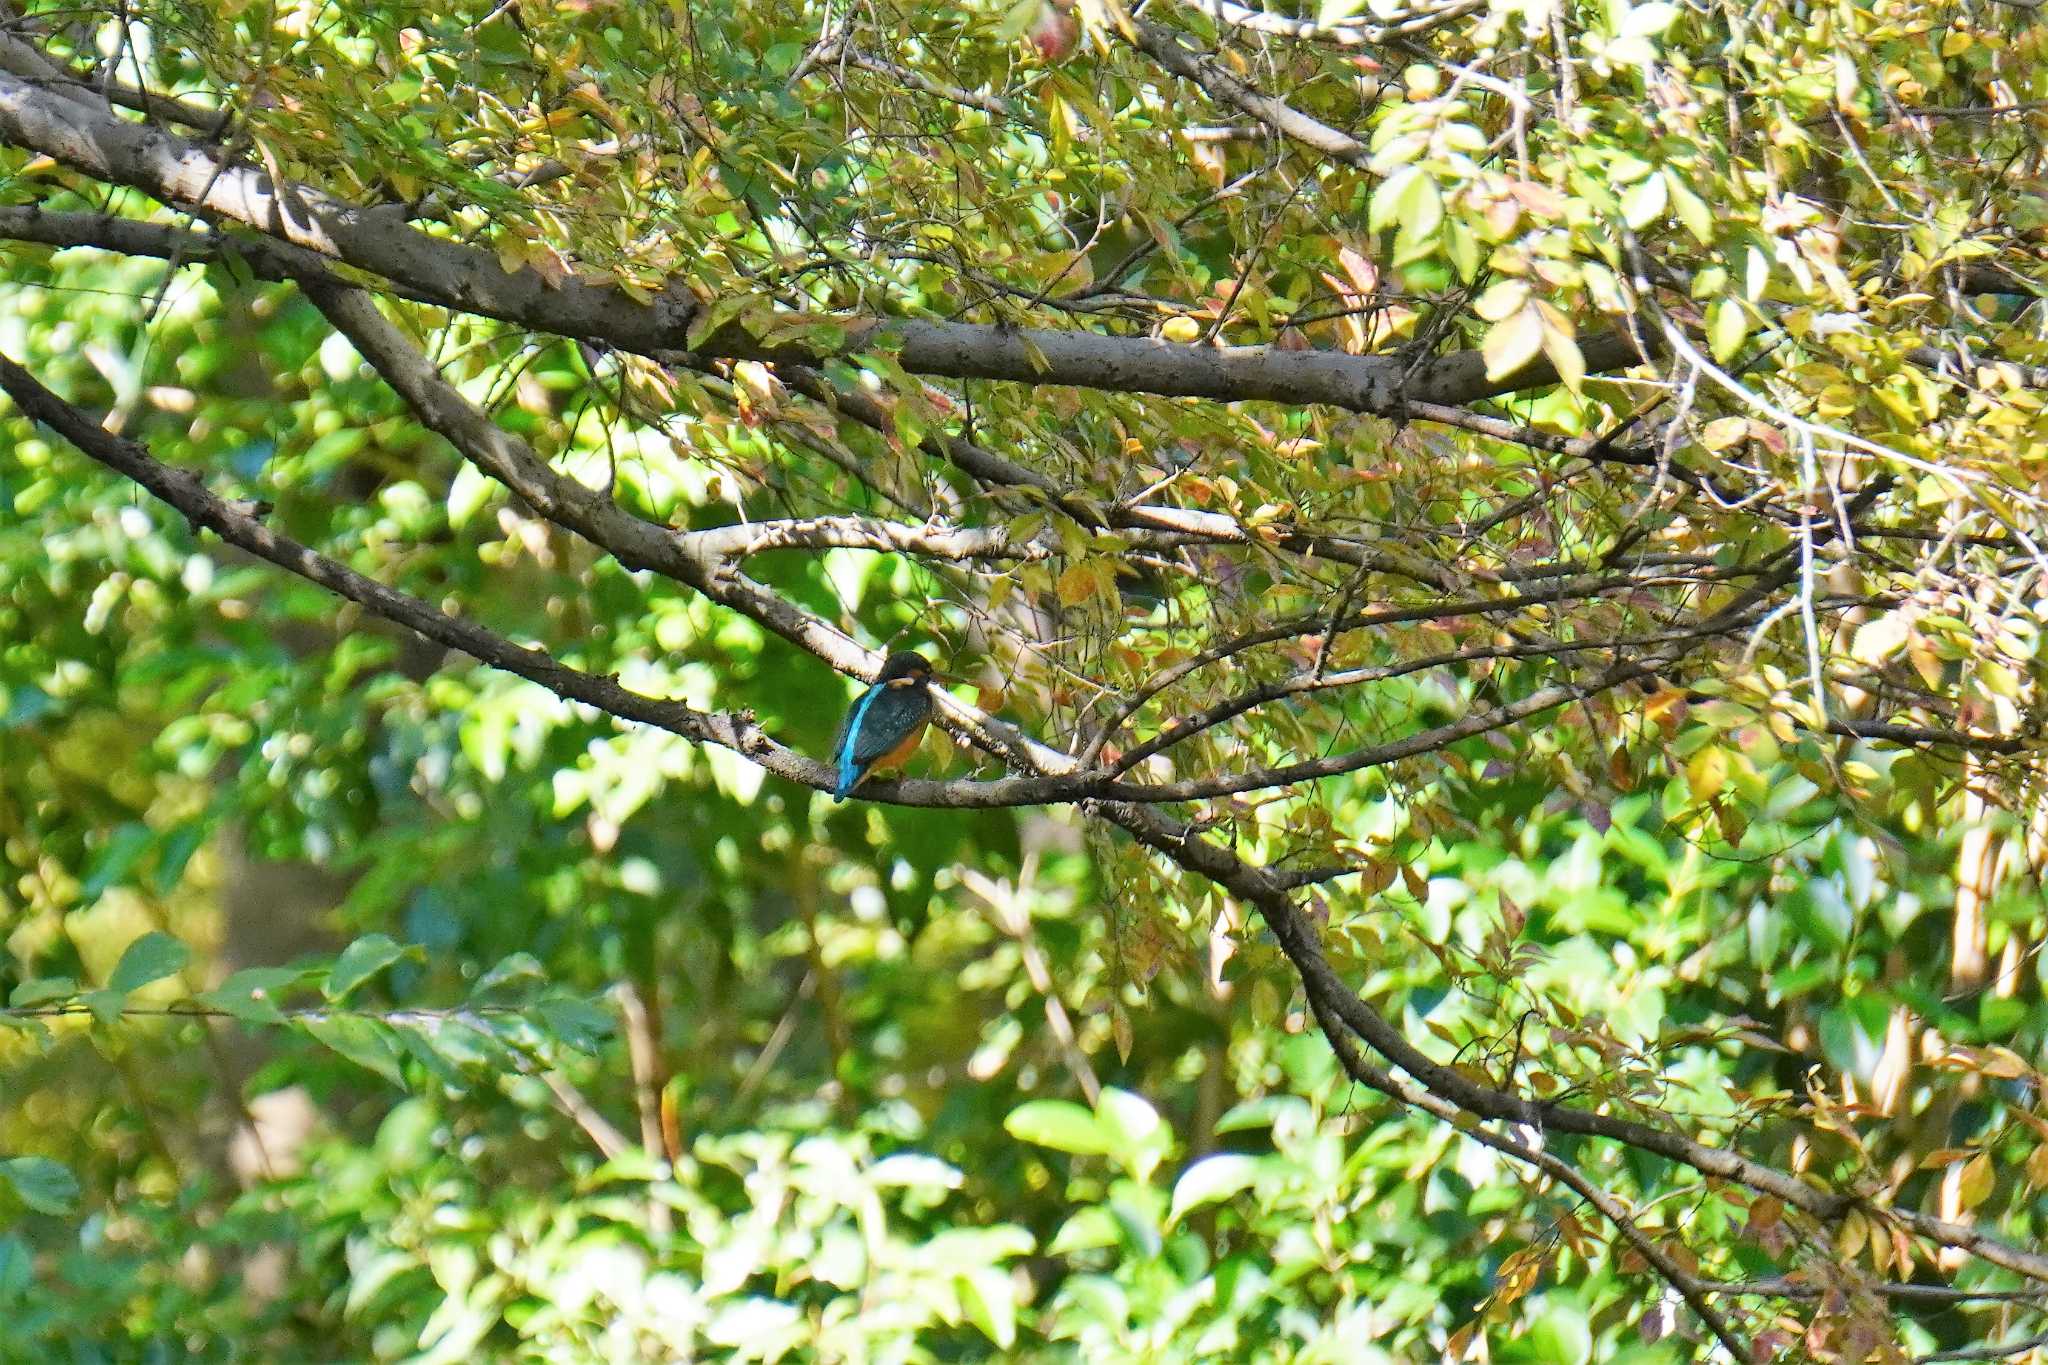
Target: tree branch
{"x":1351,"y":33}
{"x":193,"y":176}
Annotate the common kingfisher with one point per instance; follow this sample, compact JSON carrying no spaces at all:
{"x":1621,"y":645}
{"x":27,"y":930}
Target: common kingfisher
{"x":884,"y":726}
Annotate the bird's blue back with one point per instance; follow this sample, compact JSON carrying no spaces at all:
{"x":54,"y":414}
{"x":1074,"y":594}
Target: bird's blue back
{"x":849,"y":740}
{"x":879,"y":721}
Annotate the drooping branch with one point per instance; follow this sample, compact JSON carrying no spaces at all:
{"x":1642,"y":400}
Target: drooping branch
{"x":1264,"y":890}
{"x":697,"y":563}
{"x":1307,"y":683}
{"x":242,"y":527}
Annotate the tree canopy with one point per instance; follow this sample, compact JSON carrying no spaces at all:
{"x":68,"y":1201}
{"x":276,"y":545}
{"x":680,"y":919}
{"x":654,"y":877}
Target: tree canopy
{"x":1494,"y":551}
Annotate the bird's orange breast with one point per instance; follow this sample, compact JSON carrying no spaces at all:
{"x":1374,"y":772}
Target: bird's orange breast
{"x":900,"y":755}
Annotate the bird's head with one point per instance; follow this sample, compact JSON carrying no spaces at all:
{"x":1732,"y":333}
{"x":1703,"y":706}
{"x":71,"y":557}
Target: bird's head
{"x":906,"y":668}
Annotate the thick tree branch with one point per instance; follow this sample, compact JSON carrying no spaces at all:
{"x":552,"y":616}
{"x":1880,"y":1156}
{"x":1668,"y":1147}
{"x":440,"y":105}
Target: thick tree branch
{"x":1689,"y":1287}
{"x":189,"y":175}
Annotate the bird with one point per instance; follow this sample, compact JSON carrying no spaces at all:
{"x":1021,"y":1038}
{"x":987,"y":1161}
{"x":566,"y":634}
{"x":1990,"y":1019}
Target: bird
{"x":885,"y":724}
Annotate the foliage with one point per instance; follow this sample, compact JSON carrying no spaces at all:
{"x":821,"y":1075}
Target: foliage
{"x":1497,"y":553}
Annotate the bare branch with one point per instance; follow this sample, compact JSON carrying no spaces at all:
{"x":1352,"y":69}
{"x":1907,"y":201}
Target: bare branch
{"x":2000,"y":1350}
{"x":26,"y":62}
{"x":1351,"y":33}
{"x":1166,"y":46}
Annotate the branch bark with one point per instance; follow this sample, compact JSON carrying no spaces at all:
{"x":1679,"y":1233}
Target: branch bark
{"x":1343,"y":1015}
{"x":94,"y":141}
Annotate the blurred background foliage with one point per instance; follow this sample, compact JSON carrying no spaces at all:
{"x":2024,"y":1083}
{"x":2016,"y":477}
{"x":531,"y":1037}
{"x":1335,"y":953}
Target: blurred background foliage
{"x":938,"y":1086}
{"x":527,"y":1036}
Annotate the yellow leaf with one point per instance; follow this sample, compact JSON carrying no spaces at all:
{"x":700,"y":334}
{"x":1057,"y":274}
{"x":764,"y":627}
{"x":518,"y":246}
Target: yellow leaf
{"x":1850,"y":1239}
{"x":1707,"y":773}
{"x":1181,"y":329}
{"x":2003,"y":1063}
{"x":1504,"y":300}
{"x":1880,"y":639}
{"x":1512,"y":343}
{"x":1076,"y":585}
{"x":1723,"y":432}
{"x":1973,"y":1187}
{"x":1560,"y":343}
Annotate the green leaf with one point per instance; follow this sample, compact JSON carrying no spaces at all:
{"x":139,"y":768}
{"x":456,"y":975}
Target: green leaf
{"x":1138,"y":1140}
{"x":1059,"y":1124}
{"x":1878,"y":640}
{"x":17,"y":1268}
{"x":1756,"y":273}
{"x":572,"y":1020}
{"x":1502,"y":301}
{"x":42,"y":990}
{"x":1727,"y":325}
{"x":360,"y":961}
{"x":1264,"y":1112}
{"x":512,"y":975}
{"x":1017,"y":18}
{"x":174,"y":851}
{"x":1092,"y":1227}
{"x":1561,"y":346}
{"x":989,"y":1297}
{"x":1127,"y":1118}
{"x":1561,"y":1337}
{"x":1211,"y":1179}
{"x":468,"y":492}
{"x":123,"y":850}
{"x":722,"y":311}
{"x":1691,"y":209}
{"x":1408,"y":198}
{"x":439,"y":1065}
{"x":1646,"y":202}
{"x":152,"y":957}
{"x":251,"y":994}
{"x":363,"y":1041}
{"x":40,"y":1183}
